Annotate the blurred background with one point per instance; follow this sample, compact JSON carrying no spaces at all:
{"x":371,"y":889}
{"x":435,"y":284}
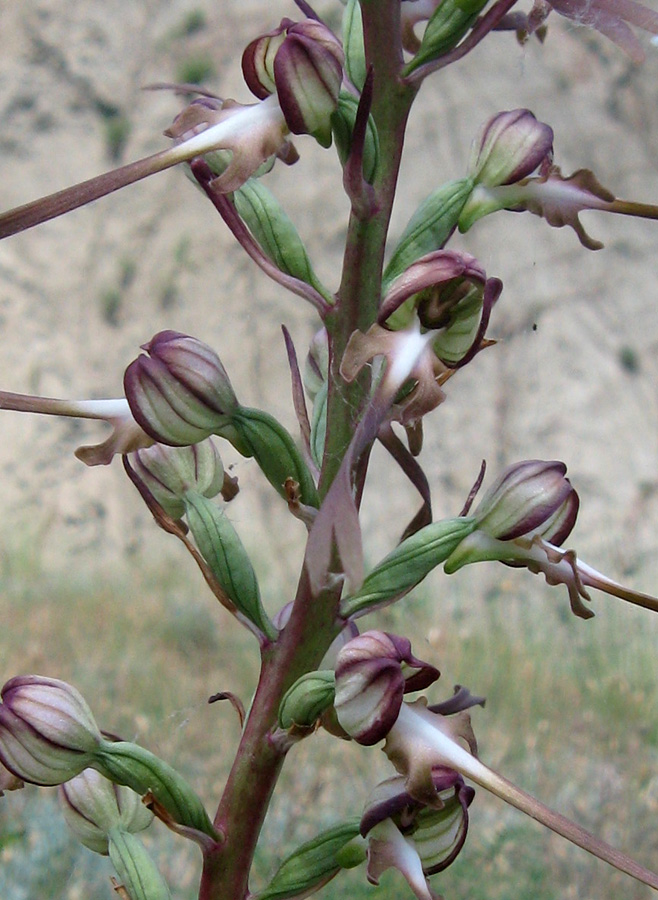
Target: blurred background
{"x":92,"y":592}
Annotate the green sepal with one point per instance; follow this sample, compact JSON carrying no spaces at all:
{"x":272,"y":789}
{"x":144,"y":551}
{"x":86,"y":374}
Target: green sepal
{"x":137,"y":872}
{"x":314,"y":863}
{"x":319,"y":424}
{"x":221,"y":547}
{"x":353,"y":47}
{"x":307,"y":699}
{"x":430,"y":226}
{"x":126,"y":763}
{"x":342,"y":123}
{"x":408,"y":564}
{"x":274,"y":231}
{"x":275,"y":451}
{"x":445,"y":29}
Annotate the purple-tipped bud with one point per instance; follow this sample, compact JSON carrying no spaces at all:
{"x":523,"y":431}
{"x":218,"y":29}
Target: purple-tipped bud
{"x":47,"y":732}
{"x":179,"y":393}
{"x":509,"y":147}
{"x":373,"y":672}
{"x":258,"y":60}
{"x":530,"y":497}
{"x":92,"y":805}
{"x":303,"y":63}
{"x":170,"y":472}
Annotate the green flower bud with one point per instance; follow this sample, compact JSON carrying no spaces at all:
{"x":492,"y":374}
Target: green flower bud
{"x":170,"y":472}
{"x":529,"y":499}
{"x":525,"y":498}
{"x":92,"y":806}
{"x":303,"y":63}
{"x":308,"y":71}
{"x":47,"y":732}
{"x":315,"y":863}
{"x":408,"y":564}
{"x":307,"y":699}
{"x":430,"y":227}
{"x":446,"y":27}
{"x":509,"y":147}
{"x":136,"y":870}
{"x":261,"y":436}
{"x":355,"y":55}
{"x":139,"y":769}
{"x":179,"y":393}
{"x":221,"y":547}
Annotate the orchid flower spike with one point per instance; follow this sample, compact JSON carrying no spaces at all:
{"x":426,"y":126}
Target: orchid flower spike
{"x":370,"y":706}
{"x":126,"y":436}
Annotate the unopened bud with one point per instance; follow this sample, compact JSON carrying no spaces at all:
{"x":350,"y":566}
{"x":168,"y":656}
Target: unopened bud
{"x":179,"y":393}
{"x":530,"y":499}
{"x":373,"y":672}
{"x":525,"y":499}
{"x":170,"y":472}
{"x":47,"y":732}
{"x":92,"y":806}
{"x":509,"y":147}
{"x":307,"y":699}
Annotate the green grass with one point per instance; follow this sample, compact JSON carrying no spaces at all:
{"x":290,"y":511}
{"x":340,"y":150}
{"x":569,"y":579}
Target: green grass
{"x":569,"y":716}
